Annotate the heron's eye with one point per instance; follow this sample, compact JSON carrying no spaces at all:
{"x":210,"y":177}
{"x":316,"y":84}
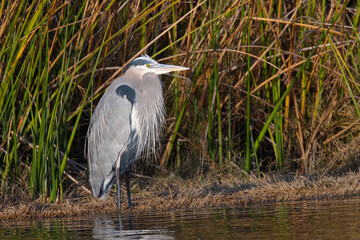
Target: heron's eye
{"x":147,"y":65}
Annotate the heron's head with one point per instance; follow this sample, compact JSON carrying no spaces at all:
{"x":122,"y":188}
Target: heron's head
{"x":144,"y":64}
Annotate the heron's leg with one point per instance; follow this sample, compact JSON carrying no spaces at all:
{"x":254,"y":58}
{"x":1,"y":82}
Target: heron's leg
{"x":117,"y":175}
{"x":127,"y":179}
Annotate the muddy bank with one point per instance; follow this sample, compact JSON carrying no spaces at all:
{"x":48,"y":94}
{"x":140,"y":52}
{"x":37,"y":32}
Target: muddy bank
{"x":172,"y":192}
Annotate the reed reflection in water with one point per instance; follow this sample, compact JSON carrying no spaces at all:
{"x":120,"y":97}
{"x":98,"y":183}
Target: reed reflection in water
{"x":327,"y":219}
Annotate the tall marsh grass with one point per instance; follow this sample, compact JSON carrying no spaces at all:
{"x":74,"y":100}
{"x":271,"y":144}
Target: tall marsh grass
{"x":273,"y":85}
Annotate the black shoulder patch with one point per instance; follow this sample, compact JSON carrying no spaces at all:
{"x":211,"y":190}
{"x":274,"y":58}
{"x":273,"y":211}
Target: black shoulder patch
{"x":125,"y":90}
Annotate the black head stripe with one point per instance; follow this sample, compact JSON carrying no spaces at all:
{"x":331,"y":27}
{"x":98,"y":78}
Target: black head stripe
{"x":137,"y":62}
{"x":125,"y":90}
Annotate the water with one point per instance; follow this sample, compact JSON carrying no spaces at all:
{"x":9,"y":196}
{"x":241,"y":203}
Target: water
{"x":335,"y":219}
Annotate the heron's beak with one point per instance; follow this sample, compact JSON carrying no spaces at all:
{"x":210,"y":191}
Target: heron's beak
{"x":163,"y":68}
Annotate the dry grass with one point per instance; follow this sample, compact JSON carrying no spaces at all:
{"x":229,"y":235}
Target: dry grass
{"x":172,"y":192}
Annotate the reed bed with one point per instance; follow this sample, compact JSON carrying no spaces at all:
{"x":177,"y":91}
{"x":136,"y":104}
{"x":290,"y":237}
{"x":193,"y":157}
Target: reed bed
{"x":273,"y":86}
{"x":172,"y":192}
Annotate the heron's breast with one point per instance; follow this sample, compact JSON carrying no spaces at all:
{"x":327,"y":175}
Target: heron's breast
{"x":146,"y":120}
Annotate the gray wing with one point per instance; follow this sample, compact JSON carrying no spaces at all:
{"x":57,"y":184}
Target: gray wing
{"x":107,"y":135}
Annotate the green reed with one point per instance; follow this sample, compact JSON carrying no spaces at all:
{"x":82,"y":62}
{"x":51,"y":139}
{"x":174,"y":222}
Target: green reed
{"x":39,"y":85}
{"x":263,"y":90}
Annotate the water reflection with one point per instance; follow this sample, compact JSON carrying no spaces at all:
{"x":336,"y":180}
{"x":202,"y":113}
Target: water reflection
{"x":112,"y":228}
{"x":334,"y":219}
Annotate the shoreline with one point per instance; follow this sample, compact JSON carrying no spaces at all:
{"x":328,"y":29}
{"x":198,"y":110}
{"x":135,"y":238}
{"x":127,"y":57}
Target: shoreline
{"x":171,"y":193}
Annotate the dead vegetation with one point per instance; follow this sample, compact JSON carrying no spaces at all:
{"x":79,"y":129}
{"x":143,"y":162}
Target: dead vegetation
{"x":172,"y":192}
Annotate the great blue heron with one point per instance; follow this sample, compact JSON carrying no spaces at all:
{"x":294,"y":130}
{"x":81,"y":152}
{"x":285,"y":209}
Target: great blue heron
{"x":125,"y":122}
